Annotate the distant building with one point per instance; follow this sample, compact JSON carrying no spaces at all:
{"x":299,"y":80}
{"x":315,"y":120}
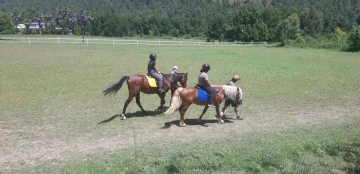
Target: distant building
{"x":21,"y":26}
{"x":35,"y":25}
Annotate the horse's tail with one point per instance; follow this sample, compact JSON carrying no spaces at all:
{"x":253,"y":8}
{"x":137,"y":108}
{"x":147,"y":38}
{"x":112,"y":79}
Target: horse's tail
{"x":112,"y":90}
{"x":174,"y":101}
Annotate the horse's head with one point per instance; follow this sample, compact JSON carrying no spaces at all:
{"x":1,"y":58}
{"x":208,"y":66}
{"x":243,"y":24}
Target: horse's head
{"x":239,"y":96}
{"x":182,"y":78}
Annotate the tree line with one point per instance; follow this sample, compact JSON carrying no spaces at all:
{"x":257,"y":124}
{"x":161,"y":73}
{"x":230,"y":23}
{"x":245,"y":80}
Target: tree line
{"x":261,"y":20}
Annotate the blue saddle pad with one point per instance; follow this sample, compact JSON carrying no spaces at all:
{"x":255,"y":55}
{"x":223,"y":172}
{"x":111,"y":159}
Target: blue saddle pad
{"x":202,"y":95}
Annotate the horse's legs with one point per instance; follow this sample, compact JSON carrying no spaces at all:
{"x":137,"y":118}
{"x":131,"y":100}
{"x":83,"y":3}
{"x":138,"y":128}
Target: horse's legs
{"x":139,"y":104}
{"x":218,"y":114}
{"x":223,"y":110}
{"x":202,"y":114}
{"x":127,"y":102}
{"x":162,"y":102}
{"x":182,"y":109}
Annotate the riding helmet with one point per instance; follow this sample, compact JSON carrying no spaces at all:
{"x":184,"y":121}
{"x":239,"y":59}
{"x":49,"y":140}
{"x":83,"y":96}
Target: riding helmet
{"x":152,"y":56}
{"x":206,"y":67}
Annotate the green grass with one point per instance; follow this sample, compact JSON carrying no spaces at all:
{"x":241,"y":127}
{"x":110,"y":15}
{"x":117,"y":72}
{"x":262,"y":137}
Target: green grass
{"x":62,"y":84}
{"x":320,"y":150}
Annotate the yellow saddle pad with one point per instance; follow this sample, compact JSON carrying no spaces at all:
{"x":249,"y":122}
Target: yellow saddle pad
{"x":152,"y":81}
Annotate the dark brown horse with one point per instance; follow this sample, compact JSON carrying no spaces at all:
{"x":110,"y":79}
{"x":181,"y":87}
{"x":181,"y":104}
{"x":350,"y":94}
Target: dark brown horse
{"x":189,"y":96}
{"x":139,"y":83}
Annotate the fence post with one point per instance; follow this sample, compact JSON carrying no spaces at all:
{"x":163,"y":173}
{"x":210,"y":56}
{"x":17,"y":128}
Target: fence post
{"x":29,"y":40}
{"x":87,"y":41}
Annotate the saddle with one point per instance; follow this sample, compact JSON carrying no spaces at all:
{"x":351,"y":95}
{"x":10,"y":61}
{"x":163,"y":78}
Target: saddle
{"x":202,"y":94}
{"x":151,"y":80}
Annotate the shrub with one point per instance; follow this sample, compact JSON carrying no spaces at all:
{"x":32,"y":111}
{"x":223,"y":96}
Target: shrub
{"x":354,"y":38}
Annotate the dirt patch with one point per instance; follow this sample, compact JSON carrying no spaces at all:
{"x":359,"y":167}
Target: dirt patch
{"x":50,"y":143}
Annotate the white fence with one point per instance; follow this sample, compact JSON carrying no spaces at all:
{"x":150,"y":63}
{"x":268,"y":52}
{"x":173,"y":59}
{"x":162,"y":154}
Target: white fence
{"x":87,"y":41}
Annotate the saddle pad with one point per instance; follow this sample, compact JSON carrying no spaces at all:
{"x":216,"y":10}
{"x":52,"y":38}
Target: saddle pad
{"x":152,"y":81}
{"x":202,"y":95}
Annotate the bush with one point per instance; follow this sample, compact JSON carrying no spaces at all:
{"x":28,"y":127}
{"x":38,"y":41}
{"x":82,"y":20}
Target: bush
{"x":5,"y":24}
{"x":187,"y":36}
{"x":354,"y":38}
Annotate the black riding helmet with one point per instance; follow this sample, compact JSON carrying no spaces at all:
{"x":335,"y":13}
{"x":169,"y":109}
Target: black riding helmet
{"x":152,"y":56}
{"x":205,"y":67}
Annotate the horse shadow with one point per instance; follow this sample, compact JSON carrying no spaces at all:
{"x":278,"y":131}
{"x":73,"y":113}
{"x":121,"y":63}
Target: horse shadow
{"x":135,"y":114}
{"x":193,"y":122}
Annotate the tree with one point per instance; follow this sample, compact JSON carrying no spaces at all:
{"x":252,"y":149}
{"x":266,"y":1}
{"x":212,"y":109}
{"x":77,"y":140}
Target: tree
{"x":61,"y":18}
{"x":92,"y":18}
{"x":5,"y":24}
{"x":81,"y":18}
{"x":272,"y":18}
{"x":312,"y":22}
{"x":15,"y":16}
{"x":217,"y":28}
{"x":339,"y":35}
{"x":27,"y":25}
{"x":248,"y":24}
{"x":354,"y":38}
{"x":289,"y":28}
{"x":39,"y":19}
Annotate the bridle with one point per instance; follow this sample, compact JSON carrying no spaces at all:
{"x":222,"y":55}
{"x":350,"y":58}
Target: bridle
{"x":178,"y":77}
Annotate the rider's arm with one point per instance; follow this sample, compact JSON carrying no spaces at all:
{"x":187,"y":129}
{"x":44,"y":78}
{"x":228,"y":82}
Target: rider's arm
{"x":208,"y":83}
{"x":156,"y":69}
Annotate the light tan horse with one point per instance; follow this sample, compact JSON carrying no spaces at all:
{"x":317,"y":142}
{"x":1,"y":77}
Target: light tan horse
{"x":189,"y":95}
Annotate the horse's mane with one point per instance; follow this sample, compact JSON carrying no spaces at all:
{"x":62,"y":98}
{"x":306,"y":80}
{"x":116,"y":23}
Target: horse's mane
{"x":231,"y":92}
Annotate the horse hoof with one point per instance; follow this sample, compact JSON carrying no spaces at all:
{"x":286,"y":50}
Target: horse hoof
{"x":123,"y":117}
{"x":239,"y":118}
{"x":221,"y":122}
{"x":182,"y":124}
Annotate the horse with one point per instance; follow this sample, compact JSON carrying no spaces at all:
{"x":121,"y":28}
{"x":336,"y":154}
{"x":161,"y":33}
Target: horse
{"x":189,"y":95}
{"x":139,"y":83}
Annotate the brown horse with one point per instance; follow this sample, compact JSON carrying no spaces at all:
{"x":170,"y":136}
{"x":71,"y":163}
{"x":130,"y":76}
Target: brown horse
{"x":189,"y":95}
{"x":139,"y":83}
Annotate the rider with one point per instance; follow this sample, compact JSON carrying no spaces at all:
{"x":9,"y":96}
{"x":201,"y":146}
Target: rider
{"x":229,"y":102}
{"x":203,"y":83}
{"x":152,"y":70}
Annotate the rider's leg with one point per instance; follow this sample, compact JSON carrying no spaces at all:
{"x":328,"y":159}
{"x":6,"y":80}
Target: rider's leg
{"x":159,"y":79}
{"x":211,"y":94}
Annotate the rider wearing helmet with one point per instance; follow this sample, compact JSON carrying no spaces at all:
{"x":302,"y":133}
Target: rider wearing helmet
{"x":152,"y":70}
{"x":203,"y":83}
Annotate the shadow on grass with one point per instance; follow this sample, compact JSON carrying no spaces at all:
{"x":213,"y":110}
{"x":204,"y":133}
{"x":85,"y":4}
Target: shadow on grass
{"x":135,"y":114}
{"x":192,"y":122}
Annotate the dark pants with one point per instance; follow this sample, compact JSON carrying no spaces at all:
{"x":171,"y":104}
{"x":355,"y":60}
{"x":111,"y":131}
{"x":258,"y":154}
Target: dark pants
{"x":158,"y":78}
{"x":211,"y":92}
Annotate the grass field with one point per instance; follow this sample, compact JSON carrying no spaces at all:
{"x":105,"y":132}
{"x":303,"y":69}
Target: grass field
{"x":301,"y":110}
